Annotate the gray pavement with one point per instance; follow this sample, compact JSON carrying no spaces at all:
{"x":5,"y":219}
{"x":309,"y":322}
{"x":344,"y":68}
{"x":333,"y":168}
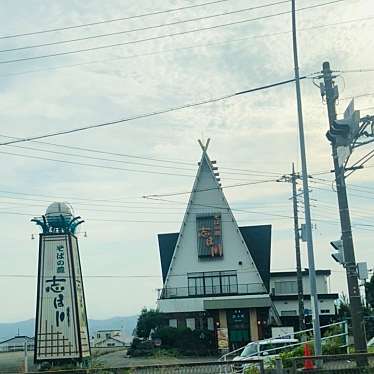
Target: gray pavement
{"x":13,"y":362}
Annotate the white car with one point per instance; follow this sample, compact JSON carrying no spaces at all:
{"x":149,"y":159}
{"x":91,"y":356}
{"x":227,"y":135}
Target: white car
{"x":263,"y":350}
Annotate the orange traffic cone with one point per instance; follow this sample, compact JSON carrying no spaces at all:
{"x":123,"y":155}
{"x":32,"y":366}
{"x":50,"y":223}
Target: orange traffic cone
{"x":308,"y":363}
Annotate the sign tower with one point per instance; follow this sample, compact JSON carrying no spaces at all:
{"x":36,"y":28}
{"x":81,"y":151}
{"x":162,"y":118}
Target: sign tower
{"x":61,"y":329}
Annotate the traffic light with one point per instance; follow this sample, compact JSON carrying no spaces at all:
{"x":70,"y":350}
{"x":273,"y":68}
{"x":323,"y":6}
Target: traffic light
{"x":338,"y":256}
{"x":343,"y":131}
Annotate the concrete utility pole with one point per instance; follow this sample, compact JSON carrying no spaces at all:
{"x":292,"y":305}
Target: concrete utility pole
{"x":26,"y":369}
{"x":308,"y":221}
{"x":300,"y":291}
{"x":345,"y":222}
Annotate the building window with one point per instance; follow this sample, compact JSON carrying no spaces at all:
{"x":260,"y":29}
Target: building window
{"x":288,"y":313}
{"x":212,"y":283}
{"x":190,"y":323}
{"x":195,"y":286}
{"x":325,"y":311}
{"x":210,"y":323}
{"x":285,"y":288}
{"x":173,"y":323}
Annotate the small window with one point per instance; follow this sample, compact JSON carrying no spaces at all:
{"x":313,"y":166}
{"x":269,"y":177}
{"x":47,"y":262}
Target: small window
{"x":190,"y":323}
{"x":210,"y":322}
{"x":285,"y":288}
{"x":327,"y":311}
{"x":173,"y":323}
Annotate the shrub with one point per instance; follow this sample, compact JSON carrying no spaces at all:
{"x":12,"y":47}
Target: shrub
{"x":140,"y":348}
{"x":287,"y":355}
{"x":149,"y":320}
{"x":332,"y":346}
{"x":186,"y":341}
{"x":252,"y":370}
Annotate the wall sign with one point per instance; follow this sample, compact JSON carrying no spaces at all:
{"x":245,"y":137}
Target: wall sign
{"x":61,"y":323}
{"x":209,"y":235}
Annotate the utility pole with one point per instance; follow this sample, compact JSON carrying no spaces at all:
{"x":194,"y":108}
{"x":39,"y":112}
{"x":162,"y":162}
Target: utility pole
{"x":300,"y":291}
{"x":26,"y":369}
{"x":345,"y":222}
{"x":308,"y":221}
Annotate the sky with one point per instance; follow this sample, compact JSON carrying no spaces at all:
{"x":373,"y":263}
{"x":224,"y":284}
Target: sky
{"x":254,"y":137}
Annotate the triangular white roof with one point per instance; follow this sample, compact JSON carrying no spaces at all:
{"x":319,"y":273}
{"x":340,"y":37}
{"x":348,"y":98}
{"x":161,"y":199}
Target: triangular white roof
{"x":207,"y":199}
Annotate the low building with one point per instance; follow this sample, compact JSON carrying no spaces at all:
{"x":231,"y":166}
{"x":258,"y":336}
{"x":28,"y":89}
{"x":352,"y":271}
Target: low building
{"x":283,"y":288}
{"x":17,"y":344}
{"x":215,"y":274}
{"x":109,"y":338}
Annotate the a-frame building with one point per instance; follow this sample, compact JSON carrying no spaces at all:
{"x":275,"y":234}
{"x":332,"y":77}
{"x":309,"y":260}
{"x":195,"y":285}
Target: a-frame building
{"x":215,"y":274}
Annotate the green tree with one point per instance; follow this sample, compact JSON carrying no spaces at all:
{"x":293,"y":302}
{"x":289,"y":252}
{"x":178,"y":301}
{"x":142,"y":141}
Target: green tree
{"x":344,"y":310}
{"x":369,"y":292}
{"x":148,"y":320}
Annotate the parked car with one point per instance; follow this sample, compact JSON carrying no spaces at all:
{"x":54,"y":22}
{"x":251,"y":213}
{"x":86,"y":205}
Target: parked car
{"x":261,"y":350}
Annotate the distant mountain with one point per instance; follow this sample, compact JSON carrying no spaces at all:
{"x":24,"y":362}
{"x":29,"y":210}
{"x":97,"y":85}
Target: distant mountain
{"x":126,"y":324}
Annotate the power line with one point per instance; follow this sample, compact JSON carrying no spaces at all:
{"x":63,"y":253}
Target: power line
{"x":143,"y":28}
{"x":353,"y":187}
{"x":350,"y":185}
{"x":150,"y":114}
{"x":107,"y":167}
{"x":206,"y":189}
{"x":356,"y":70}
{"x":148,"y":207}
{"x":105,"y":152}
{"x":357,"y":225}
{"x":356,"y":96}
{"x":112,"y":20}
{"x":177,"y":162}
{"x":282,"y":216}
{"x":97,"y":166}
{"x":365,"y":227}
{"x":243,"y":172}
{"x":350,"y":194}
{"x":212,"y":44}
{"x":101,"y":159}
{"x":99,"y":202}
{"x":119,"y":209}
{"x":162,"y":36}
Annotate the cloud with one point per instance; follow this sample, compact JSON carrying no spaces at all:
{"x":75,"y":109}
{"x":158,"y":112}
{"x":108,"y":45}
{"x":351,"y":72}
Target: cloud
{"x":256,"y":131}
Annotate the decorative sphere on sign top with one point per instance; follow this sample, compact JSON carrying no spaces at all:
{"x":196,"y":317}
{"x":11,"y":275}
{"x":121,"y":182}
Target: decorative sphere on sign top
{"x":58,"y":214}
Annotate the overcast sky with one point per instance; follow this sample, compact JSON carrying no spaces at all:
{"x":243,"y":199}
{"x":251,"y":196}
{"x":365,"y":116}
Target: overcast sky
{"x":256,"y":133}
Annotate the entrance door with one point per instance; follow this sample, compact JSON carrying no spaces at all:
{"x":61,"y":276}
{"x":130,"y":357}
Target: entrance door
{"x":238,"y":325}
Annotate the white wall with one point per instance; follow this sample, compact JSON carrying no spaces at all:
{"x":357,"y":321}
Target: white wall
{"x":321,"y":282}
{"x":234,"y":249}
{"x":286,"y":305}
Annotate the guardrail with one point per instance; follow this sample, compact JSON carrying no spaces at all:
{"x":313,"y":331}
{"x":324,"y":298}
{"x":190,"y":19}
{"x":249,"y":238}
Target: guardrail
{"x":226,"y":356}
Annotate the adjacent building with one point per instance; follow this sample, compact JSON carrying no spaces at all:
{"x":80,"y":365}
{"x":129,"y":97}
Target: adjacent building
{"x":109,"y":339}
{"x":283,"y":289}
{"x":17,"y":344}
{"x":215,"y":274}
